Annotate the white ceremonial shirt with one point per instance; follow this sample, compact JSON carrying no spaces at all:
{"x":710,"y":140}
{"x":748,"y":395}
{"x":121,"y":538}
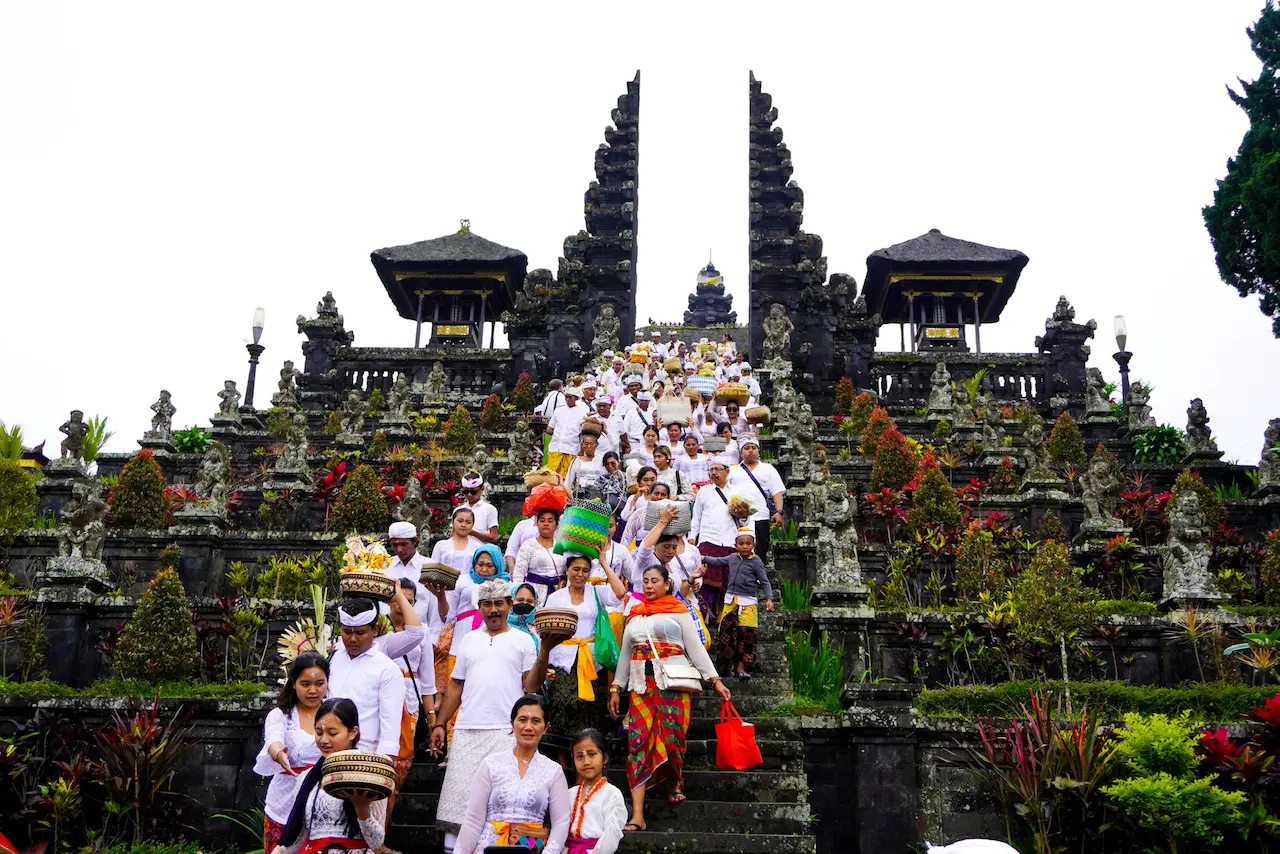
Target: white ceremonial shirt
{"x":553,"y":401}
{"x":602,"y":819}
{"x":566,"y":428}
{"x":283,"y":728}
{"x":492,"y":669}
{"x":769,"y":480}
{"x":711,"y":520}
{"x":524,"y":529}
{"x":565,"y":656}
{"x":374,"y":683}
{"x":405,"y":648}
{"x":486,"y":516}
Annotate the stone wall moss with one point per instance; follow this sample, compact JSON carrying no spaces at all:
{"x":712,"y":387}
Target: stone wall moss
{"x":1207,"y":703}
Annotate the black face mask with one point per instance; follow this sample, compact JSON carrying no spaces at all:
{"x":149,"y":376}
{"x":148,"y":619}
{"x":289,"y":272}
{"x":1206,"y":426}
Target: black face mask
{"x":522,"y":609}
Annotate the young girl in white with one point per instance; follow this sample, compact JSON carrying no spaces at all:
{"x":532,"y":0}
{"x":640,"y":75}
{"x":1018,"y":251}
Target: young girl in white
{"x":599,"y":811}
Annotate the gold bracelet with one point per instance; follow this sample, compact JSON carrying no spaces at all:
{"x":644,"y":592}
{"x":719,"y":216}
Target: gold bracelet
{"x":614,"y":689}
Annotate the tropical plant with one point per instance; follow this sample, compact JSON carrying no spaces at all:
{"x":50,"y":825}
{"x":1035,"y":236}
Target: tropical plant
{"x":492,"y":415}
{"x":140,"y":754}
{"x":192,"y":440}
{"x":933,"y":502}
{"x":159,"y":640}
{"x":877,"y":424}
{"x":377,"y":404}
{"x":521,"y":397}
{"x":787,"y":533}
{"x":816,"y":670}
{"x":1270,"y":569}
{"x":895,"y":464}
{"x":1050,"y":601}
{"x":1066,"y":447}
{"x":138,"y":499}
{"x":1161,"y":445}
{"x":95,"y":438}
{"x":973,"y":385}
{"x":1005,"y":481}
{"x":459,"y":432}
{"x":18,"y":498}
{"x":250,"y":821}
{"x":843,"y":397}
{"x":10,"y":442}
{"x":361,"y":506}
{"x":795,"y":595}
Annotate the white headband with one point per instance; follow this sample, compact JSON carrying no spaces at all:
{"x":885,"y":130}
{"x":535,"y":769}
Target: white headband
{"x":364,"y":618}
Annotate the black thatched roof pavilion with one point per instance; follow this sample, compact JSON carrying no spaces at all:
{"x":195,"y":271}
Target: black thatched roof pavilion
{"x":938,"y":284}
{"x":457,"y":282}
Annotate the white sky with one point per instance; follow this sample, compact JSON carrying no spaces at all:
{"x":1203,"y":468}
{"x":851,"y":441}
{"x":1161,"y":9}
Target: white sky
{"x":163,"y":170}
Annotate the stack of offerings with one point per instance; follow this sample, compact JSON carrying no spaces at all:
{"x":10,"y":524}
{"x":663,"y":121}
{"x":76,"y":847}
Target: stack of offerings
{"x":358,"y":772}
{"x":732,"y":393}
{"x":364,"y":571}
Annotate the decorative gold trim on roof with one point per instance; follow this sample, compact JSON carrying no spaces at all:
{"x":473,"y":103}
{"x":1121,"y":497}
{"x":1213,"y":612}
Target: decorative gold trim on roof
{"x":401,"y":275}
{"x":894,"y":278}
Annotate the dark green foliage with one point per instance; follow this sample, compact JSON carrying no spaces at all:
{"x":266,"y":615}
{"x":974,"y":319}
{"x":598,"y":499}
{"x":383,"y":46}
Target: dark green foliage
{"x":1065,"y":445}
{"x":192,"y":440}
{"x":1161,"y":446}
{"x":895,"y":465}
{"x":979,"y":568}
{"x":491,"y":414}
{"x":878,"y":424}
{"x":1215,"y":512}
{"x":521,"y":397}
{"x":933,"y":502}
{"x":1270,"y":571}
{"x":17,"y":497}
{"x":1049,"y":598}
{"x":179,"y":690}
{"x":859,"y":413}
{"x":1212,"y":702}
{"x":459,"y":432}
{"x":361,"y":507}
{"x":378,"y":445}
{"x":377,"y":403}
{"x":1005,"y":480}
{"x":816,"y":670}
{"x":137,"y":500}
{"x":278,"y":422}
{"x":1050,"y":528}
{"x":159,"y":641}
{"x":1244,"y":219}
{"x":1126,"y":608}
{"x":844,"y":396}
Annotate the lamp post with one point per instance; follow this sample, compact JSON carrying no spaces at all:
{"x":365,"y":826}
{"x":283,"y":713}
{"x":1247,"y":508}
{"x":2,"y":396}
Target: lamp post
{"x":255,"y":350}
{"x":1122,"y":359}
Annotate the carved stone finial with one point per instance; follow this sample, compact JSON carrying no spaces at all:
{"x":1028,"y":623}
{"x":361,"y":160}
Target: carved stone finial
{"x":1199,"y":436}
{"x":75,"y":429}
{"x":1269,"y":465}
{"x":940,"y":396}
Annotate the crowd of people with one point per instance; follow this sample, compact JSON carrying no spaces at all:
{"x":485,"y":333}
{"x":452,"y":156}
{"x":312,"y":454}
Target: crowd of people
{"x":515,"y":714}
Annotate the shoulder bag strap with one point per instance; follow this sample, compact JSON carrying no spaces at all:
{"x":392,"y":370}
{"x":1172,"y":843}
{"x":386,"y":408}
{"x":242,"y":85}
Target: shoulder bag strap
{"x":720,"y":492}
{"x":767,"y":498}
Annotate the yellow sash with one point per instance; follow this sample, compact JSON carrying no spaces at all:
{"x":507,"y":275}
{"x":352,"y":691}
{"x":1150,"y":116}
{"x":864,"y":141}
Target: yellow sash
{"x":586,"y":667}
{"x":509,"y":832}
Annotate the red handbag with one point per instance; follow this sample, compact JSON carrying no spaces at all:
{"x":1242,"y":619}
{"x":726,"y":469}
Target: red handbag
{"x":736,"y":748}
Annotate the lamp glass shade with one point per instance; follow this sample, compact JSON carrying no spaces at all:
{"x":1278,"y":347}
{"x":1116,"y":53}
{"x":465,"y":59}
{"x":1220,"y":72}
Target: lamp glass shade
{"x":1122,"y":335}
{"x":259,"y":317}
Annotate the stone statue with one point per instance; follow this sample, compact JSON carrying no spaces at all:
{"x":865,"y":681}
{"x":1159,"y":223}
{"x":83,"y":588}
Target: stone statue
{"x":992,"y":427}
{"x":1095,"y":393}
{"x":399,"y":399}
{"x":785,"y":401}
{"x":287,"y":388}
{"x":481,"y":462}
{"x":803,"y":434}
{"x":75,"y":429}
{"x":837,"y":551}
{"x":351,"y":420}
{"x":521,"y":455}
{"x":777,"y":334}
{"x":213,"y":477}
{"x":293,"y":455}
{"x":940,"y":397}
{"x":412,"y":509}
{"x":437,"y":387}
{"x":1102,"y":483}
{"x":83,"y":532}
{"x":162,"y":420}
{"x":606,"y":330}
{"x":1139,"y":410}
{"x":1037,"y":450}
{"x":1269,"y":465}
{"x":328,"y":306}
{"x":1186,"y":554}
{"x":1063,"y":312}
{"x":1199,"y":437}
{"x":961,"y":407}
{"x":229,"y":408}
{"x":815,"y":496}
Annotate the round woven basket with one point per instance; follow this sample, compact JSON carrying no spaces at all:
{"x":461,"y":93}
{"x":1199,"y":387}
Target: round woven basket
{"x":434,"y":572}
{"x":370,"y":585}
{"x":757,"y":415}
{"x":584,"y":528}
{"x":534,"y":478}
{"x":591,"y":427}
{"x":556,"y":621}
{"x":705,"y":386}
{"x":678,"y":525}
{"x":693,"y":394}
{"x":358,"y":772}
{"x":732,"y":393}
{"x":672,"y":366}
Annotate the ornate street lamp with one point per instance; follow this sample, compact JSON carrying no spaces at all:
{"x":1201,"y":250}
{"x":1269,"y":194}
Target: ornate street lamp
{"x":1122,"y":359}
{"x":255,"y":350}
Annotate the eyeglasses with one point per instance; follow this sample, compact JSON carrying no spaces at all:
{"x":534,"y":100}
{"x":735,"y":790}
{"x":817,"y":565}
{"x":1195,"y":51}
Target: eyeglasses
{"x":472,"y":491}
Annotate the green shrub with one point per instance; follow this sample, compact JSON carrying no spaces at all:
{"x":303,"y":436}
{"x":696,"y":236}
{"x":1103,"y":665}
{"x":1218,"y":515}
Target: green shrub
{"x":137,"y":500}
{"x":1050,"y":528}
{"x":817,"y":671}
{"x":492,"y":415}
{"x":1270,"y":570}
{"x":933,"y":502}
{"x":521,"y":397}
{"x":1177,"y":810}
{"x":1215,"y":512}
{"x":155,"y":848}
{"x":1160,"y":445}
{"x":795,"y":595}
{"x":377,"y":403}
{"x":1065,"y":445}
{"x":1049,"y":598}
{"x":859,"y":413}
{"x":1005,"y":481}
{"x":18,"y":497}
{"x":459,"y":432}
{"x":895,"y":465}
{"x":378,"y":446}
{"x":1211,"y":703}
{"x":1126,"y":608}
{"x":877,"y":424}
{"x":844,"y":396}
{"x":192,"y":440}
{"x":361,"y":507}
{"x":1157,"y":744}
{"x":181,"y":690}
{"x":159,"y":640}
{"x":979,"y":569}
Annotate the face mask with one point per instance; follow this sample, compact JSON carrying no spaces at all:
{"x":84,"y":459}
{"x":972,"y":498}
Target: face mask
{"x":522,"y":609}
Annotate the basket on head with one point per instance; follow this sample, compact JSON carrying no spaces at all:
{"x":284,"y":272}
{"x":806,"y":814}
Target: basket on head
{"x":534,"y":478}
{"x":714,"y":444}
{"x":732,"y":393}
{"x":556,"y":621}
{"x":434,"y":572}
{"x":673,"y":409}
{"x":584,"y":528}
{"x":705,"y":386}
{"x":672,"y":366}
{"x":592,"y":427}
{"x":757,"y":415}
{"x":679,"y":525}
{"x":358,"y":772}
{"x":693,"y":394}
{"x":370,"y":585}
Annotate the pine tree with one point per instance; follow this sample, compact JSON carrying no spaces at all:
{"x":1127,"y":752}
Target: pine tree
{"x":159,"y":641}
{"x":491,"y":414}
{"x":521,"y":397}
{"x":361,"y":507}
{"x":459,"y":432}
{"x":137,"y":500}
{"x":1065,"y":445}
{"x":895,"y":465}
{"x":933,"y":502}
{"x":1244,"y":219}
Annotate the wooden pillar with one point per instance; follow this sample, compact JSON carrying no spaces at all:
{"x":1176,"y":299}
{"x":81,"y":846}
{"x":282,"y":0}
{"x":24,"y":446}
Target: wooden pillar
{"x":435,"y":319}
{"x":911,"y":313}
{"x":480,"y":329}
{"x":977,"y":327}
{"x":417,"y":331}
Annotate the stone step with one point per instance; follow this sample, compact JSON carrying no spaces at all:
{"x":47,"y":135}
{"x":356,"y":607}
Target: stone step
{"x":736,"y":786}
{"x":425,"y":838}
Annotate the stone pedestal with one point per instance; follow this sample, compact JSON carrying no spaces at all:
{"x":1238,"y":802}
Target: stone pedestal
{"x":66,"y":468}
{"x":349,"y":441}
{"x":1050,"y":489}
{"x":201,"y":514}
{"x":223,"y":427}
{"x":160,"y":444}
{"x":75,"y":574}
{"x":1102,"y":529}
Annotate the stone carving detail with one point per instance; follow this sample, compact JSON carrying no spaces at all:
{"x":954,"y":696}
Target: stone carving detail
{"x":777,"y":334}
{"x":940,"y":396}
{"x":606,"y":330}
{"x":75,"y":429}
{"x":1186,"y":555}
{"x":1269,"y":465}
{"x":521,"y":455}
{"x":325,"y":336}
{"x":992,"y":427}
{"x":399,"y":399}
{"x":437,"y":387}
{"x":293,"y":456}
{"x":351,"y":420}
{"x":1139,"y":408}
{"x":837,"y":551}
{"x":162,"y":419}
{"x":962,"y":412}
{"x":286,"y":395}
{"x":1199,"y":436}
{"x":803,"y":434}
{"x":83,"y":533}
{"x":1102,"y":483}
{"x":1064,"y":342}
{"x":229,"y":407}
{"x":1095,"y":393}
{"x":815,"y":496}
{"x":785,"y":400}
{"x":412,"y":509}
{"x":1036,"y":452}
{"x":213,"y":477}
{"x":481,"y":462}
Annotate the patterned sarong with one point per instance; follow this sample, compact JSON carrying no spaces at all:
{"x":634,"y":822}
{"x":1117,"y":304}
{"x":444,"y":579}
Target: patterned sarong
{"x":271,"y":833}
{"x":736,"y":643}
{"x":657,"y":724}
{"x":466,"y":750}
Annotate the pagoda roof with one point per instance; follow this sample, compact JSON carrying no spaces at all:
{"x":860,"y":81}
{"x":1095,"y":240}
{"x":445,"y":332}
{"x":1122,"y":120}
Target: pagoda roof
{"x":460,"y":261}
{"x":935,"y":262}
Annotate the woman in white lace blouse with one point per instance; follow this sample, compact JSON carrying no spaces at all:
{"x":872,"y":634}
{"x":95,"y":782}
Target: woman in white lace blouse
{"x":512,"y":793}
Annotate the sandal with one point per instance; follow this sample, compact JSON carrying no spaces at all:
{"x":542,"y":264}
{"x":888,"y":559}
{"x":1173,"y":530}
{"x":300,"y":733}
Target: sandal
{"x":632,"y":827}
{"x":676,"y":798}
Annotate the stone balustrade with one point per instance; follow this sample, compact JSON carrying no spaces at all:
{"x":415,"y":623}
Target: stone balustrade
{"x":902,"y":380}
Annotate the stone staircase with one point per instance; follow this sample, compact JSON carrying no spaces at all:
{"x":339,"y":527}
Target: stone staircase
{"x":762,"y":811}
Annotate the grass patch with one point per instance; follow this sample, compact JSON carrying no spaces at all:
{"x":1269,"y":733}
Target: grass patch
{"x":134,"y":688}
{"x":816,"y":670}
{"x":1209,"y":703}
{"x":1253,"y":610}
{"x":1127,"y":608}
{"x":795,"y":595}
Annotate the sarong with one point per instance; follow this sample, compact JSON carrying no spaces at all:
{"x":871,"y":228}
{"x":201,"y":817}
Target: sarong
{"x":713,"y":581}
{"x":466,"y":750}
{"x":569,"y":713}
{"x":559,"y":462}
{"x":444,"y":669}
{"x":657,"y":725}
{"x":404,"y":759}
{"x":271,"y":833}
{"x":736,"y":642}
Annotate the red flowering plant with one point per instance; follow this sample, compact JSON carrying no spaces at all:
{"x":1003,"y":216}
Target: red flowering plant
{"x":331,"y":484}
{"x":426,"y":479}
{"x":890,"y":505}
{"x":1218,"y":749}
{"x":394,"y":493}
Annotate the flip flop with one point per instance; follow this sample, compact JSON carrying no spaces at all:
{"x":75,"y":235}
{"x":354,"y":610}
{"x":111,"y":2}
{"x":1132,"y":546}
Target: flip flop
{"x":632,"y":827}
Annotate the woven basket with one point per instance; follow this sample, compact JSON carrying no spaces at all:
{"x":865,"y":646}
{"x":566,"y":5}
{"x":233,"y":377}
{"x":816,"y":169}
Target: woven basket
{"x":672,"y":366}
{"x":714,"y":444}
{"x":556,"y":621}
{"x":678,"y":525}
{"x":705,"y":386}
{"x":733,"y":393}
{"x":358,"y":772}
{"x":757,"y":415}
{"x":370,"y":585}
{"x":434,"y":572}
{"x":674,"y":410}
{"x":534,"y":478}
{"x":592,"y":427}
{"x":695,"y":396}
{"x":584,"y":528}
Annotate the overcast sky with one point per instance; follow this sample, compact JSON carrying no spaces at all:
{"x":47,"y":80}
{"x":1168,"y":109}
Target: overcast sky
{"x":164,"y":170}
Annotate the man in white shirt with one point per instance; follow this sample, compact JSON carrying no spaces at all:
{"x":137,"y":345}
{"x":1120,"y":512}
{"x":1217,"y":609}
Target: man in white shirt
{"x":494,"y":667}
{"x":750,"y":381}
{"x":615,"y":383}
{"x":486,"y":515}
{"x":565,"y":428}
{"x":614,"y":438}
{"x":715,"y":532}
{"x":429,"y":603}
{"x":553,"y":400}
{"x":525,"y":529}
{"x":763,"y":485}
{"x":627,"y":402}
{"x":675,"y":346}
{"x":656,"y":347}
{"x":644,"y":417}
{"x":360,"y":672}
{"x":589,"y":393}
